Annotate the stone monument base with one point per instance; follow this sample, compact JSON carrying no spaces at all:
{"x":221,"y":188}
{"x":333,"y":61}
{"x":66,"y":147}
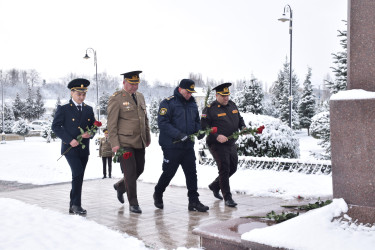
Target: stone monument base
{"x":353,"y":152}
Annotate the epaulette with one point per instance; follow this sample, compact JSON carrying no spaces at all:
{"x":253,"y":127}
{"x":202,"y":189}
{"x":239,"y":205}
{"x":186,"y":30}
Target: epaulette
{"x":116,"y":93}
{"x":169,"y":98}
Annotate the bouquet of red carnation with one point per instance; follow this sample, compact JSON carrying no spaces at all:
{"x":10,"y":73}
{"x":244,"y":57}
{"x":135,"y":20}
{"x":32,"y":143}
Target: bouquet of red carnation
{"x":245,"y":131}
{"x":121,"y":153}
{"x":91,"y":131}
{"x":207,"y":131}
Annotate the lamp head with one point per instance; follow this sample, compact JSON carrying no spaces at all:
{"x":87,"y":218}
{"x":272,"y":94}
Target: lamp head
{"x":284,"y":18}
{"x":86,"y":56}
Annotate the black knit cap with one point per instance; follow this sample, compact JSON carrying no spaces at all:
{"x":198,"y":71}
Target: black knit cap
{"x":79,"y":85}
{"x":188,"y":84}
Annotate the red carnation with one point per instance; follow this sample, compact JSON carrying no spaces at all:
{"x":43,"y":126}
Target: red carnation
{"x":260,"y":129}
{"x":213,"y":130}
{"x":127,"y":155}
{"x":98,"y":124}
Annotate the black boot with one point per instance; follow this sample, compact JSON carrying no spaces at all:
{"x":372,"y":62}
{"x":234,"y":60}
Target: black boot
{"x":135,"y":209}
{"x":216,"y":193}
{"x":120,"y":196}
{"x":197,"y":206}
{"x":158,"y":201}
{"x":230,"y":202}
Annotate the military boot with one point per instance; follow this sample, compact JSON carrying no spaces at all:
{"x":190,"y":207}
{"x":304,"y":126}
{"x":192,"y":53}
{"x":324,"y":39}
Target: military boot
{"x":197,"y":206}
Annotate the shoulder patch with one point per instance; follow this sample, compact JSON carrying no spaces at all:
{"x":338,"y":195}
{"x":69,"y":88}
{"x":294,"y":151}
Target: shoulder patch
{"x":171,"y":97}
{"x":163,"y":111}
{"x":116,"y":93}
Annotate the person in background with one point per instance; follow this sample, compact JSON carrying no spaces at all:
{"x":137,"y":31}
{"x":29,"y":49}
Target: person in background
{"x":179,"y":117}
{"x":223,"y":114}
{"x":105,"y":151}
{"x":129,"y":130}
{"x":68,"y":120}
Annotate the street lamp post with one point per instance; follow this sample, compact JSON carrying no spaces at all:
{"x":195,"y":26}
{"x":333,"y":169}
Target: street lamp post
{"x":287,"y":8}
{"x":96,"y":78}
{"x":3,"y":110}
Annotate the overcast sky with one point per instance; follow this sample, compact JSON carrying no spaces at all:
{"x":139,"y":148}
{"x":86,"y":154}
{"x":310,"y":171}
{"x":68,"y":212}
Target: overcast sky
{"x":167,"y":39}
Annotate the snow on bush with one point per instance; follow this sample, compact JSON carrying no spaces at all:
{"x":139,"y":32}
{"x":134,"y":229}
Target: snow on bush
{"x":20,"y":127}
{"x":277,"y":139}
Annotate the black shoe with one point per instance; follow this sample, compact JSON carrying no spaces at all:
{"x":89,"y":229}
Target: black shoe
{"x":158,"y":201}
{"x":120,"y":196}
{"x":109,"y":176}
{"x":230,"y":203}
{"x":216,"y":193}
{"x":197,"y":206}
{"x":105,"y":177}
{"x":77,"y":210}
{"x":135,"y":209}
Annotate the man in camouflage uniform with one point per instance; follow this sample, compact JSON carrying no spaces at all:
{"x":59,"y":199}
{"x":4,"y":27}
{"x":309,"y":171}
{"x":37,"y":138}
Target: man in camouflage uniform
{"x":129,"y":129}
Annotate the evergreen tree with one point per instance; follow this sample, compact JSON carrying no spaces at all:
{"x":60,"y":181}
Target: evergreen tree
{"x":58,"y":102}
{"x":103,"y":103}
{"x":307,"y":104}
{"x":18,"y":108}
{"x":29,"y":105}
{"x":251,"y":98}
{"x":280,"y":96}
{"x":341,"y":69}
{"x":39,"y":105}
{"x":154,"y":110}
{"x":210,"y":96}
{"x":8,"y":119}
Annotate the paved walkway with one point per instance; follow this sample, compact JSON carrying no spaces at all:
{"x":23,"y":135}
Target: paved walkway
{"x":168,"y":228}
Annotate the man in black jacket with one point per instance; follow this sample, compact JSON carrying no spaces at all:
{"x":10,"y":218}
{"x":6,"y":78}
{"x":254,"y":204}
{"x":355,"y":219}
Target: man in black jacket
{"x":179,"y":117}
{"x":68,"y":120}
{"x":224,"y":115}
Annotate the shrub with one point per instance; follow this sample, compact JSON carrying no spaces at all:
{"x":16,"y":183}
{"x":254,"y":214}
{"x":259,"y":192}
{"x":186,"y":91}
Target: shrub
{"x":277,"y":139}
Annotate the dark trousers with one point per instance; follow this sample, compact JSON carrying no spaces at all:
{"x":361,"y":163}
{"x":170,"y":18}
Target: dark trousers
{"x":77,"y":165}
{"x":132,"y":169}
{"x":105,"y":160}
{"x":226,"y":159}
{"x":172,"y":159}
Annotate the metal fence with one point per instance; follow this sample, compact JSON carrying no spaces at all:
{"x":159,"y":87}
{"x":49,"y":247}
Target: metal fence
{"x":275,"y":164}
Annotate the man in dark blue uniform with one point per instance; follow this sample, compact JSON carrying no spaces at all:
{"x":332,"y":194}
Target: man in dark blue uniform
{"x":68,"y":120}
{"x":223,"y":114}
{"x":179,"y":117}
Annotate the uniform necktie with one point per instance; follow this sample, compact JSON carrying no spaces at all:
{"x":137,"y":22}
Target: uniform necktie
{"x":135,"y":99}
{"x":79,"y":108}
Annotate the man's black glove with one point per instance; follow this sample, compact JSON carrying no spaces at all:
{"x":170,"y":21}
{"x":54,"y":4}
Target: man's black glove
{"x":201,"y":136}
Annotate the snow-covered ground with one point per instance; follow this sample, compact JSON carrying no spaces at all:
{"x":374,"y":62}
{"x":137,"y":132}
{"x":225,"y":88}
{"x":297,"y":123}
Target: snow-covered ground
{"x":35,"y":161}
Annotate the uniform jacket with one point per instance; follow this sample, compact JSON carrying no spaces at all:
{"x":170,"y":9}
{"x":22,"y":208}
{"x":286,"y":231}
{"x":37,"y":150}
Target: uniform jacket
{"x":127,"y":121}
{"x":105,"y":148}
{"x":177,"y":117}
{"x":226,"y":118}
{"x":66,"y":124}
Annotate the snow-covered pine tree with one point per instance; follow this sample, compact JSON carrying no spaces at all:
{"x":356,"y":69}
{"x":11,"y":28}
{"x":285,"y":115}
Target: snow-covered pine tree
{"x":39,"y":105}
{"x":251,"y":98}
{"x":103,"y":103}
{"x":320,"y":129}
{"x":29,"y":105}
{"x":341,"y":68}
{"x":18,"y":108}
{"x":153,"y":111}
{"x":58,"y":102}
{"x":20,"y":127}
{"x":280,"y":95}
{"x":307,"y":103}
{"x":8,"y":119}
{"x":210,"y":96}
